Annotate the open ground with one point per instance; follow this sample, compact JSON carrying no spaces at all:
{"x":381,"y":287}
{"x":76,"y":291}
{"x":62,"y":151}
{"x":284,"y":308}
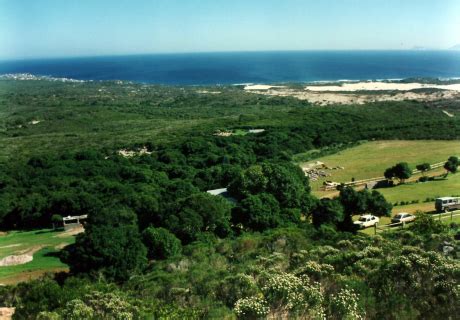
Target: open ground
{"x":42,"y":245}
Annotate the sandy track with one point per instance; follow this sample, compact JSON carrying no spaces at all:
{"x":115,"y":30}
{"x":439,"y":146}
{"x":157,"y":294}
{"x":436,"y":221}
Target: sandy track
{"x":71,"y":232}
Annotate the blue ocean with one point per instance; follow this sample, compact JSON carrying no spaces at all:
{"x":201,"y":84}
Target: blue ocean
{"x":247,"y":67}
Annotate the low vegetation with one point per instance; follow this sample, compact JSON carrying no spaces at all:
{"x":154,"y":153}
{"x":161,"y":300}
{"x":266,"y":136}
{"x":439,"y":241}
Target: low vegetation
{"x":156,"y":244}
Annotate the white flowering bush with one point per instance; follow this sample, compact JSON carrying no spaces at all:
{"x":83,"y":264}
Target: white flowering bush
{"x":425,"y":277}
{"x":315,"y":270}
{"x":235,"y":287}
{"x":251,"y":308}
{"x":344,"y":305}
{"x":285,"y":294}
{"x":110,"y":306}
{"x":76,"y":310}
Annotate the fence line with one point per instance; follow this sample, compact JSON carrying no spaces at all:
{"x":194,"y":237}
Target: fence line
{"x":439,"y":216}
{"x":378,"y":179}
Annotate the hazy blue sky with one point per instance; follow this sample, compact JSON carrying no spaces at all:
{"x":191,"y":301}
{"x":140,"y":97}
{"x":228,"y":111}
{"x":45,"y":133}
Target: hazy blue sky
{"x":42,"y":28}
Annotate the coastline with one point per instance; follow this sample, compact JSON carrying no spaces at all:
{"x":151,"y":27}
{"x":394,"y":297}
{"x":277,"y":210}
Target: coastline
{"x":340,"y":85}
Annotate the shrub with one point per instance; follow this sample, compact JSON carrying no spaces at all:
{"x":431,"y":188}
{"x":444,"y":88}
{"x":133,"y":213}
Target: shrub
{"x":425,"y":225}
{"x":344,"y":306}
{"x":111,"y":244}
{"x":160,"y":243}
{"x":251,"y":308}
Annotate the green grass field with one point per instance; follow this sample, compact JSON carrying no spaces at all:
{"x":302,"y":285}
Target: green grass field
{"x":44,"y":243}
{"x":372,"y":158}
{"x":420,"y":191}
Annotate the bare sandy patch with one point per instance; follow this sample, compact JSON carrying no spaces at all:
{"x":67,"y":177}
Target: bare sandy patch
{"x":60,"y":246}
{"x":381,"y":86}
{"x":70,"y":232}
{"x":131,"y":153}
{"x":6,"y":313}
{"x":325,"y":98}
{"x":450,"y":115}
{"x":261,"y":87}
{"x":25,"y":257}
{"x":208,"y":92}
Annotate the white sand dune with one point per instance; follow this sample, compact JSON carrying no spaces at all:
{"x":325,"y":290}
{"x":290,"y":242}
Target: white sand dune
{"x":381,"y":86}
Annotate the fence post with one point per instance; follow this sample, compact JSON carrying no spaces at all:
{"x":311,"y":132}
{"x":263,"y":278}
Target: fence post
{"x":375,"y":228}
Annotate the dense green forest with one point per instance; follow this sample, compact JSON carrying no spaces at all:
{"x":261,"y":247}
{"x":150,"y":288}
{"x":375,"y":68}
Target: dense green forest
{"x":156,"y":244}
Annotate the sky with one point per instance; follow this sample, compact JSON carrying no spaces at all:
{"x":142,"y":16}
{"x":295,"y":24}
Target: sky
{"x":64,"y":28}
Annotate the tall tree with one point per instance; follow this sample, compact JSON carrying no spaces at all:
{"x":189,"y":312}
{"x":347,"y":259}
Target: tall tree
{"x":328,"y":211}
{"x":201,"y":212}
{"x":111,"y":244}
{"x":160,"y":243}
{"x":401,"y":171}
{"x":423,"y":167}
{"x":452,"y":164}
{"x":258,"y":212}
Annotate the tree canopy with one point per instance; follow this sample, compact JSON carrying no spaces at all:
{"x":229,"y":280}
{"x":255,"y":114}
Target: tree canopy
{"x":400,"y":171}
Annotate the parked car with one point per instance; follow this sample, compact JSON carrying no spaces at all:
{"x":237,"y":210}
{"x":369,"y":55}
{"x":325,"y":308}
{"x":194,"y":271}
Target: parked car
{"x":445,"y":204}
{"x":403,"y":217}
{"x":367,"y":220}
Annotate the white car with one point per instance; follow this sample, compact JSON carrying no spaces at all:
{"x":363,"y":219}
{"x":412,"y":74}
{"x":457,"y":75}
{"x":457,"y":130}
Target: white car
{"x":367,"y":220}
{"x":403,"y":217}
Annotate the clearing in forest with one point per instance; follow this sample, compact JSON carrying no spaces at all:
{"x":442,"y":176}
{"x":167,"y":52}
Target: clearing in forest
{"x":370,"y":160}
{"x":29,"y":254}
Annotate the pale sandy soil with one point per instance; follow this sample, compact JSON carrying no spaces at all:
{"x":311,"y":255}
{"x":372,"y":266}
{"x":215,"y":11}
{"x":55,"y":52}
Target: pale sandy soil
{"x":6,"y":313}
{"x":381,"y":86}
{"x":71,"y":232}
{"x":131,"y":153}
{"x":350,"y":96}
{"x":448,"y":114}
{"x":261,"y":87}
{"x":24,"y":257}
{"x":208,"y":92}
{"x":60,"y":246}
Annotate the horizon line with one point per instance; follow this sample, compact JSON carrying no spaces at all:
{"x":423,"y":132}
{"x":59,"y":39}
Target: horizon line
{"x":212,"y":52}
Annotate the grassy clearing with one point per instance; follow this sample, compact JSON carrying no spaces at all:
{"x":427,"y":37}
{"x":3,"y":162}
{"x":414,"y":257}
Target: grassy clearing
{"x":386,"y":220}
{"x":370,"y":159}
{"x":420,"y":191}
{"x":48,"y":242}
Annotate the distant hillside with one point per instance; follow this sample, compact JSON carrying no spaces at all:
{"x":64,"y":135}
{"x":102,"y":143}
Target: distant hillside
{"x":456,"y":47}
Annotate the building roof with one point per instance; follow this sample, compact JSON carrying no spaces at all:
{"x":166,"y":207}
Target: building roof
{"x":75,"y":217}
{"x":217,"y":192}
